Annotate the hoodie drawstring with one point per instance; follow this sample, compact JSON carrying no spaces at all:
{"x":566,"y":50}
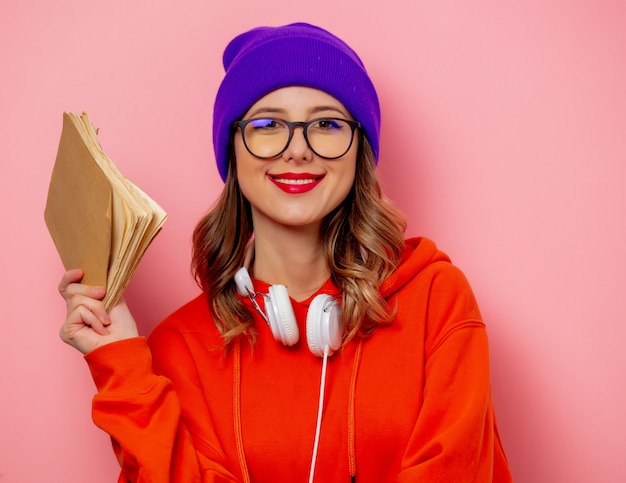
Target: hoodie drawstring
{"x":351,"y":411}
{"x":241,"y":455}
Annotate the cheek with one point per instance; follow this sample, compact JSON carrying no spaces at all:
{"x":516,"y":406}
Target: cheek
{"x":347,"y":178}
{"x":347,"y":181}
{"x":245,"y":180}
{"x":245,"y":167}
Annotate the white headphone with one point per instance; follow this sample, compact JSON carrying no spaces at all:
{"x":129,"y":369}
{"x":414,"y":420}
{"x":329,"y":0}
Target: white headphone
{"x":323,"y":320}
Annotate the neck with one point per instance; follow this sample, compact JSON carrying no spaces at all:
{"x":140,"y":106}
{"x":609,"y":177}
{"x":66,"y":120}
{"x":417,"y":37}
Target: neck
{"x":292,"y":256}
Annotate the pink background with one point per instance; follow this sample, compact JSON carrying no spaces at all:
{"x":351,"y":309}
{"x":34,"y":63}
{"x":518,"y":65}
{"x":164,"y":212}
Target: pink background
{"x":504,"y":140}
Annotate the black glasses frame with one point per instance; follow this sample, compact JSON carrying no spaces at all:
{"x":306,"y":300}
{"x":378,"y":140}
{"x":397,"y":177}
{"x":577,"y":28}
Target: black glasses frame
{"x":293,"y":124}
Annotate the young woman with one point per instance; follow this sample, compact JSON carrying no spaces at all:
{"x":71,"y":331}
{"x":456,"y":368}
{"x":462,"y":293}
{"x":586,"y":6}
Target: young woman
{"x":324,"y":347}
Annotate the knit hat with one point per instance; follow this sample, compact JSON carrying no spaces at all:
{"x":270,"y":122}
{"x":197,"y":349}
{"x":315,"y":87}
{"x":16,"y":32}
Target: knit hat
{"x":267,"y":58}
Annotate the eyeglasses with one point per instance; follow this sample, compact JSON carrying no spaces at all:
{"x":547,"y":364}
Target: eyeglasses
{"x":269,"y":137}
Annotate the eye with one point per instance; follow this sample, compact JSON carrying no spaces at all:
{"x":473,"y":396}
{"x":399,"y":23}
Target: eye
{"x":264,"y":124}
{"x":327,"y":124}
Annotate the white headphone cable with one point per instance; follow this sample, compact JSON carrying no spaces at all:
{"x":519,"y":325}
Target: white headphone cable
{"x":320,"y":409}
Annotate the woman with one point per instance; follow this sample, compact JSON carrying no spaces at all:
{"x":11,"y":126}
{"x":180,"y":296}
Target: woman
{"x":323,"y":345}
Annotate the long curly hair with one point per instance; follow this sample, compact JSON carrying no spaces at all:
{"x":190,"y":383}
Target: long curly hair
{"x":363,"y":243}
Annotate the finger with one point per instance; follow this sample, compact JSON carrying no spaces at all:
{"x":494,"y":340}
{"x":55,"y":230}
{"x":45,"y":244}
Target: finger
{"x":71,"y":276}
{"x":98,"y":326}
{"x":79,"y":320}
{"x":92,"y":320}
{"x":79,"y":289}
{"x":73,"y":288}
{"x":95,"y":306}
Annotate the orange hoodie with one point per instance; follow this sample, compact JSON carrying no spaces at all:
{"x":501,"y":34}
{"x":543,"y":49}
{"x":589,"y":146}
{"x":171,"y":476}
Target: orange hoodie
{"x":411,"y":403}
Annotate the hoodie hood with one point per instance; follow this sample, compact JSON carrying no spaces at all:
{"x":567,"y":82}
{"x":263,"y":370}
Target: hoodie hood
{"x":418,"y":254}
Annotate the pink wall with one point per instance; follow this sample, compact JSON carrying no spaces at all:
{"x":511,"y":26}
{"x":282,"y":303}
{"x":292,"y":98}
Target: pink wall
{"x":504,"y":140}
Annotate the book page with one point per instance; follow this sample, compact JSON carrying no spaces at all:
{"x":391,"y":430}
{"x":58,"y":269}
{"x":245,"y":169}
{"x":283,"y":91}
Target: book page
{"x":126,"y":222}
{"x":79,"y":208}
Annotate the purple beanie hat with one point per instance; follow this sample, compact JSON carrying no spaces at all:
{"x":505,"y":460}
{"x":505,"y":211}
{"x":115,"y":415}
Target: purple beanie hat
{"x":267,"y":58}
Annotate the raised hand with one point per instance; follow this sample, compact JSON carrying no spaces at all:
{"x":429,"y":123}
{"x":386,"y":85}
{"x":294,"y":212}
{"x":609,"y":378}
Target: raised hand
{"x":88,"y":325}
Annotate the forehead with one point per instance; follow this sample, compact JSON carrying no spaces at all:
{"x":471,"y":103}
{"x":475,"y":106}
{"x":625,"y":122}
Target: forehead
{"x":297,"y":100}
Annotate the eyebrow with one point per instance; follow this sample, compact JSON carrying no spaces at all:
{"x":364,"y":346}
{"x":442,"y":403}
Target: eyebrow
{"x":281,"y":111}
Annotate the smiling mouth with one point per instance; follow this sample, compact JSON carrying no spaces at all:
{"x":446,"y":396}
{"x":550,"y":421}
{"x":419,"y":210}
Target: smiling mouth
{"x":296,"y":184}
{"x":296,"y":181}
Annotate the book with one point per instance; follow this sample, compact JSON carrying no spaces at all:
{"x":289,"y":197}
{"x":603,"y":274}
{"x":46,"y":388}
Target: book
{"x":99,"y":220}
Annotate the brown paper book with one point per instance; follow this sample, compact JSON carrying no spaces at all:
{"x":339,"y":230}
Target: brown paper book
{"x":99,"y":220}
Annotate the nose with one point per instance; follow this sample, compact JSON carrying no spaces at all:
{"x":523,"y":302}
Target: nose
{"x":298,"y":149}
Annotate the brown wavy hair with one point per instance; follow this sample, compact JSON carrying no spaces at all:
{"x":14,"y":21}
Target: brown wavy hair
{"x":363,"y":240}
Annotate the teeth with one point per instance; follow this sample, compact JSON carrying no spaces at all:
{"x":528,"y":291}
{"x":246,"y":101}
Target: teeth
{"x":295,"y":181}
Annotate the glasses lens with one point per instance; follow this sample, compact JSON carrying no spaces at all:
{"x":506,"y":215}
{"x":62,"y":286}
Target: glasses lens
{"x":265,"y":138}
{"x":329,"y":137}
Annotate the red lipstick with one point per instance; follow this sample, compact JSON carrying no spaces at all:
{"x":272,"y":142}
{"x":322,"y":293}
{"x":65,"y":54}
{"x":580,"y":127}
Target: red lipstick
{"x":296,"y":183}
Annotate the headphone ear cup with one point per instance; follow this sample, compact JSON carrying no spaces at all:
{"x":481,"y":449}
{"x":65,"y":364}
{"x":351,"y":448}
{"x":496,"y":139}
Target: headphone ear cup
{"x":244,"y":282}
{"x":280,"y":315}
{"x":323,"y":325}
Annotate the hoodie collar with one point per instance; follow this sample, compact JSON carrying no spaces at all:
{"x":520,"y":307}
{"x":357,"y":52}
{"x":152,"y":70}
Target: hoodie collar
{"x":418,"y":254}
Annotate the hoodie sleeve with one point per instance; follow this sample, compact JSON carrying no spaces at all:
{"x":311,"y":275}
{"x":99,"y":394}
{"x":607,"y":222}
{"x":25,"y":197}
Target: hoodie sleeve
{"x":455,"y":437}
{"x":141,"y":412}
